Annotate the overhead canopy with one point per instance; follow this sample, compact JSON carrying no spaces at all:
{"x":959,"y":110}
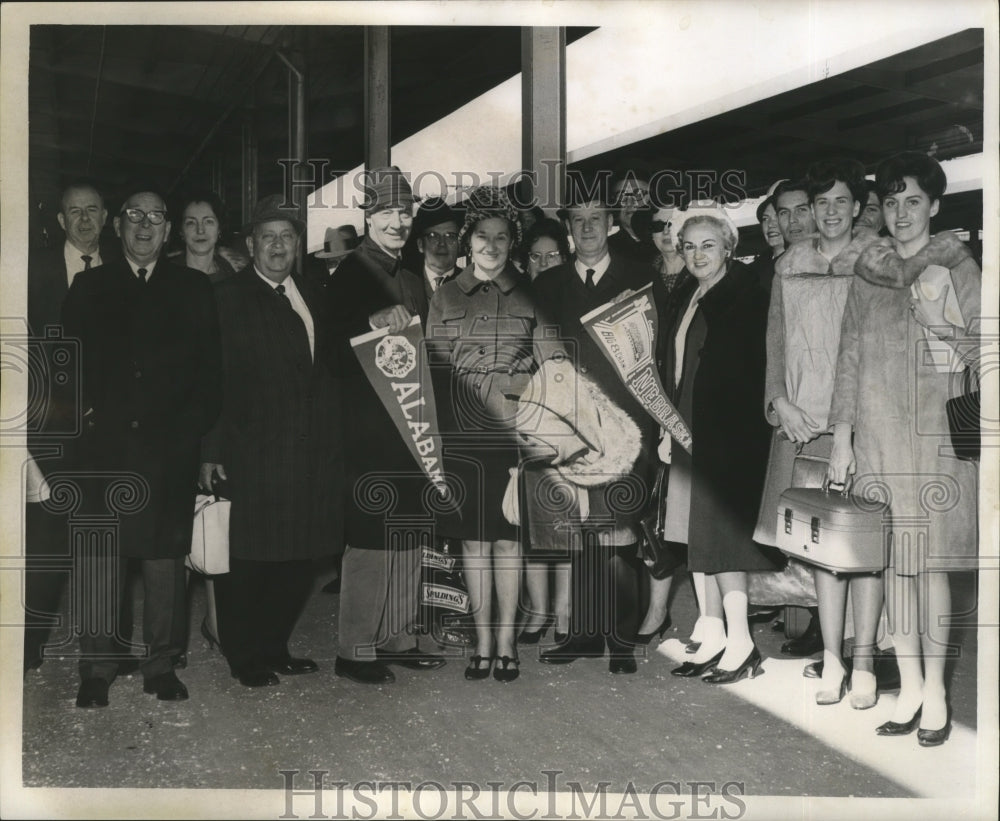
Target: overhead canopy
{"x":725,"y":87}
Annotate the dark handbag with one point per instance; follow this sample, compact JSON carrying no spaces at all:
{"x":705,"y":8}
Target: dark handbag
{"x":662,"y":557}
{"x":963,"y":421}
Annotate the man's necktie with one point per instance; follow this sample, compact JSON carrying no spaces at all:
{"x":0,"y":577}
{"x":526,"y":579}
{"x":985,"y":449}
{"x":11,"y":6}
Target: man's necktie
{"x":142,"y":275}
{"x":86,"y":261}
{"x":590,"y":279}
{"x":437,"y":282}
{"x":280,"y":291}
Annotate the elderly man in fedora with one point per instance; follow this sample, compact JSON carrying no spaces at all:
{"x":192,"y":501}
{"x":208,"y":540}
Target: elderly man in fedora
{"x":380,"y":573}
{"x":277,"y":448}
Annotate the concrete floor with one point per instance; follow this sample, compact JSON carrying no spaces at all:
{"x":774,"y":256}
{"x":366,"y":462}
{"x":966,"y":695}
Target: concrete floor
{"x":576,"y":719}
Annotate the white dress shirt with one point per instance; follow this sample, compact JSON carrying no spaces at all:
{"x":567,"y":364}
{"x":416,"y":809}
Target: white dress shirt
{"x":74,"y":260}
{"x":298,"y":305}
{"x":599,"y":268}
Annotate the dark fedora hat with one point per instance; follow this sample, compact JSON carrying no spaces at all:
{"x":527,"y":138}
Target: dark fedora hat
{"x":433,"y":211}
{"x":272,"y":208}
{"x":334,"y":245}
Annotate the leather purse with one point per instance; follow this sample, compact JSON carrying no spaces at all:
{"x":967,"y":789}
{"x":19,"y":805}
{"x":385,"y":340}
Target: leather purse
{"x":963,"y":420}
{"x":661,"y":557}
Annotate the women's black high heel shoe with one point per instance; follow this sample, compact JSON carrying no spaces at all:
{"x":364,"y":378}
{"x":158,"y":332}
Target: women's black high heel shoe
{"x":534,"y":636}
{"x":691,"y":670}
{"x":213,"y":642}
{"x":750,"y":668}
{"x":645,"y":638}
{"x":935,"y":738}
{"x":507,"y":668}
{"x":900,"y":728}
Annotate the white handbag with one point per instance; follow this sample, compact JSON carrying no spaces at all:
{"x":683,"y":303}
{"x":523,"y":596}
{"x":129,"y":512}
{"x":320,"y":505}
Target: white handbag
{"x":210,"y":537}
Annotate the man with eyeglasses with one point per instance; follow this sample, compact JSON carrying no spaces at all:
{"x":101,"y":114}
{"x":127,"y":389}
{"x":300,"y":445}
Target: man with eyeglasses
{"x":151,"y":371}
{"x":435,"y":228}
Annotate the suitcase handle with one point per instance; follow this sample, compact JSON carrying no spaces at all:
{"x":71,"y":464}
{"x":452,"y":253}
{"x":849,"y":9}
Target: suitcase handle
{"x":845,"y":487}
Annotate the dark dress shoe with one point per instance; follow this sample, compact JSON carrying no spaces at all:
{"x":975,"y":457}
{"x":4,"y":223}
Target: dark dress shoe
{"x":935,"y":738}
{"x":506,"y":668}
{"x":532,"y":636}
{"x":413,"y":658}
{"x":646,"y":638}
{"x":292,"y":666}
{"x":750,"y":668}
{"x":363,"y":672}
{"x":899,"y":728}
{"x":622,"y":665}
{"x":814,"y":670}
{"x":808,"y":644}
{"x":256,"y":677}
{"x":166,"y":686}
{"x":479,"y":668}
{"x":691,"y":670}
{"x":570,"y":651}
{"x":886,"y":671}
{"x":93,"y":692}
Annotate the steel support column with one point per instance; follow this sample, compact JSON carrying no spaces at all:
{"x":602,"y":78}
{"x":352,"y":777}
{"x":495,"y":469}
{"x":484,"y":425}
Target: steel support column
{"x":377,"y":96}
{"x":543,"y":114}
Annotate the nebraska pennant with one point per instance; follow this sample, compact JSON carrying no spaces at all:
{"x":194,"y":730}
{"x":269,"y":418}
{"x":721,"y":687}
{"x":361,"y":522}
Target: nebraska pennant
{"x":399,"y":373}
{"x":626,"y":333}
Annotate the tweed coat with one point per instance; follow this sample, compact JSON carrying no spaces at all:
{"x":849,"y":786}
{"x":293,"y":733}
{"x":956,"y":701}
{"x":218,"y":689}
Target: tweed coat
{"x":565,"y":298}
{"x":376,"y":456}
{"x":895,"y":401}
{"x":720,"y":397}
{"x":151,"y":375}
{"x":278,"y":436}
{"x":484,"y":341}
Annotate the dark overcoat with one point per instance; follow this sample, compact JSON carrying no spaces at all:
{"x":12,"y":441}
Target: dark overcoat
{"x":721,"y":398}
{"x":278,"y":436}
{"x":150,"y":382}
{"x":376,"y":456}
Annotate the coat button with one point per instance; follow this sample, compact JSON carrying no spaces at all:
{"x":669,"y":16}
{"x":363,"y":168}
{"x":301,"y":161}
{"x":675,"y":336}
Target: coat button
{"x":583,"y":369}
{"x":134,"y":425}
{"x":486,"y":289}
{"x":482,"y":350}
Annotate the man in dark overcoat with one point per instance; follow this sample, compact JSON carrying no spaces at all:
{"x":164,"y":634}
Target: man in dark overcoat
{"x":605,"y":572}
{"x":149,"y":342}
{"x":277,"y":447}
{"x":81,"y":216}
{"x":385,"y":487}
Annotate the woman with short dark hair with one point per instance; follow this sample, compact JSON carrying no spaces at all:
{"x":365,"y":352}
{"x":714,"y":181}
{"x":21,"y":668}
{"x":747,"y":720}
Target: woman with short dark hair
{"x":910,"y":333}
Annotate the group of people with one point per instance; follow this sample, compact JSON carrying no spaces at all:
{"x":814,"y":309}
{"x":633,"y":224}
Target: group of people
{"x":244,"y":382}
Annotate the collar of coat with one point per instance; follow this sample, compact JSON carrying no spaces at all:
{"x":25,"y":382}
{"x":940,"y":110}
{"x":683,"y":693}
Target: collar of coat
{"x":377,"y":256}
{"x":804,"y":257}
{"x":506,"y":280}
{"x":733,"y":287}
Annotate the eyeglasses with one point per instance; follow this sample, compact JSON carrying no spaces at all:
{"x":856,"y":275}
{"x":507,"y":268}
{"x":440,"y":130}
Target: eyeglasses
{"x":658,"y":226}
{"x":548,"y":256}
{"x":450,"y":237}
{"x":137,"y":215}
